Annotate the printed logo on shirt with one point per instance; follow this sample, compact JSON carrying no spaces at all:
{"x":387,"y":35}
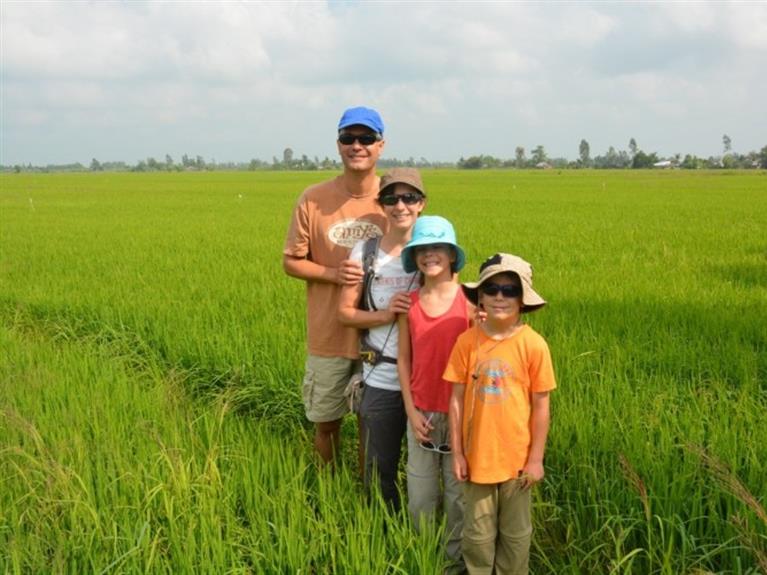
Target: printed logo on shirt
{"x":490,"y":385}
{"x":346,"y":233}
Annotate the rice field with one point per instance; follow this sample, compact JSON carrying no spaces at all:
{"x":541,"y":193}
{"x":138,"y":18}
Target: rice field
{"x":151,"y":350}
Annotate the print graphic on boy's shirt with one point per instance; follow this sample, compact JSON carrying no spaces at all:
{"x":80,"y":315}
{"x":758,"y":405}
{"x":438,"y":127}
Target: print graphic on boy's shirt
{"x":492,"y":375}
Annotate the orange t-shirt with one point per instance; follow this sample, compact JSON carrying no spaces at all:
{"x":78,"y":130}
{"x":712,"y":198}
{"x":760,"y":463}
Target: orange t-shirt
{"x":327,"y":221}
{"x":500,"y":377}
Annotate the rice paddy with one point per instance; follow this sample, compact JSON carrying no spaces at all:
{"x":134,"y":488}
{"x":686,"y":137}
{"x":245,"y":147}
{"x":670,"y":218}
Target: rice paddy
{"x":151,"y":350}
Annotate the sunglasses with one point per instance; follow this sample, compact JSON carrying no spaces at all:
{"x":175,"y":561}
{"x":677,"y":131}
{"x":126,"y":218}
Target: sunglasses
{"x":443,"y":448}
{"x":506,"y":290}
{"x":408,"y":198}
{"x":364,"y":139}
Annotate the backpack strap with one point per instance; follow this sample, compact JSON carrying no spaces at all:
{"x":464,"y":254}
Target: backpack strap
{"x":369,"y":251}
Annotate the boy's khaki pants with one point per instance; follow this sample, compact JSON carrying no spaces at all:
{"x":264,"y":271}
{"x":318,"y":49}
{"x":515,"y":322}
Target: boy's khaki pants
{"x":497,"y":528}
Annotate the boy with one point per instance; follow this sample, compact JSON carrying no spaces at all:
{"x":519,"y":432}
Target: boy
{"x":502,"y":373}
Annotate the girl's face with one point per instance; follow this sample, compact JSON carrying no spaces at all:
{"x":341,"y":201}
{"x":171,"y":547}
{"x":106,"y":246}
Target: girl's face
{"x":434,"y":259}
{"x":498,"y":305}
{"x":404,"y":212}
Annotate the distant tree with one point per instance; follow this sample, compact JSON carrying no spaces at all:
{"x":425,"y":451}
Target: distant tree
{"x":519,"y":157}
{"x":584,"y":152}
{"x":287,"y":157}
{"x":470,"y":163}
{"x":642,"y":160}
{"x":96,"y":165}
{"x":726,"y":143}
{"x":633,"y":148}
{"x":538,"y":155}
{"x":763,"y":158}
{"x":168,"y":162}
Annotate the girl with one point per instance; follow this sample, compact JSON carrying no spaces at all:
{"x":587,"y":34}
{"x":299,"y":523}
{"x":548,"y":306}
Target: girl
{"x":438,"y":314}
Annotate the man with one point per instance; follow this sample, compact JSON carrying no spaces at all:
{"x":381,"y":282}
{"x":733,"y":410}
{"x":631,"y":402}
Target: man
{"x":329,"y":218}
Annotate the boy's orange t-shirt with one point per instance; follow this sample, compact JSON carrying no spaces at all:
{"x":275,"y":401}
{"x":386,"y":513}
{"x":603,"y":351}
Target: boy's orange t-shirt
{"x":500,"y":377}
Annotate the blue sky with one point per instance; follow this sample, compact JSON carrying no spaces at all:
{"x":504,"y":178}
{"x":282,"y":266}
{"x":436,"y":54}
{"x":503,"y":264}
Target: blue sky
{"x":233,"y":81}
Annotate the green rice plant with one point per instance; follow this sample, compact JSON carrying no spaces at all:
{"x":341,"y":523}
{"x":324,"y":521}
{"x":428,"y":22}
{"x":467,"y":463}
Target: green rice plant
{"x":151,"y":350}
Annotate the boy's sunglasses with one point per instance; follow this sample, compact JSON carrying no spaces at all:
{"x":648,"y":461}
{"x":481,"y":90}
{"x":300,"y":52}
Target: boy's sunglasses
{"x":408,"y":198}
{"x":443,"y":448}
{"x":506,"y":290}
{"x":364,"y":139}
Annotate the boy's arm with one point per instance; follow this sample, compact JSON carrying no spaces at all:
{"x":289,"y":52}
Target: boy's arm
{"x":421,"y":426}
{"x":539,"y":430}
{"x":460,"y":466}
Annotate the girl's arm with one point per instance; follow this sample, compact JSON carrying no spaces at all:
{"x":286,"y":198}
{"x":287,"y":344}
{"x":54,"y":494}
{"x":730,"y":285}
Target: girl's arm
{"x":421,"y":426}
{"x":539,"y":429}
{"x":460,"y":466}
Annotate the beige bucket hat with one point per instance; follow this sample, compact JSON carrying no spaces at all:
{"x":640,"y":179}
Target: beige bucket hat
{"x":503,"y":263}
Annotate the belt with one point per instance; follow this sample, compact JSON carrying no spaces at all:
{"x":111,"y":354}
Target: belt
{"x":373,"y":356}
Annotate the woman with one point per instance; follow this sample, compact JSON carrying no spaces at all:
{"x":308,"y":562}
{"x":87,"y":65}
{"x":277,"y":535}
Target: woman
{"x":382,"y":411}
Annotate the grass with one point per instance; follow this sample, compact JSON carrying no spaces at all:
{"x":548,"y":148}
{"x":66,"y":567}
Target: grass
{"x":151,"y":351}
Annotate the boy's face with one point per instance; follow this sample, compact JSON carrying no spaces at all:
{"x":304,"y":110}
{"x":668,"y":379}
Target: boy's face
{"x":434,"y":259}
{"x":498,"y":305}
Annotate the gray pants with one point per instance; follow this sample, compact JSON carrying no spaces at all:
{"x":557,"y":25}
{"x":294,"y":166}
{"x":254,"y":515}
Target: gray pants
{"x":383,"y":419}
{"x":430,"y":480}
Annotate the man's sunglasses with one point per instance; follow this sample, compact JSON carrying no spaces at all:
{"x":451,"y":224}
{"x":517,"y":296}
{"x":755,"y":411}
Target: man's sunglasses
{"x":364,"y":139}
{"x":506,"y":290}
{"x":443,"y":448}
{"x":408,"y":198}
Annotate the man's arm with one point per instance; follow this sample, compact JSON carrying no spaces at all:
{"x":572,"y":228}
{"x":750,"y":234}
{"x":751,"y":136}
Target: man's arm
{"x":348,"y":273}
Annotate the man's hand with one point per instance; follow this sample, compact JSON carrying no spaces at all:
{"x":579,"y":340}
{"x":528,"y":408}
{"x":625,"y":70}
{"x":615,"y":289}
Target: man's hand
{"x":350,"y":272}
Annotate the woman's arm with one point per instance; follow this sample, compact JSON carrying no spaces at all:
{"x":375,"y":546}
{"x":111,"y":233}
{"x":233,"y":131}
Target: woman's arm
{"x":350,"y":315}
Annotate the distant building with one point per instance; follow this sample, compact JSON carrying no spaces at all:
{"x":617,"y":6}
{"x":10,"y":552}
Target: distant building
{"x":663,"y":164}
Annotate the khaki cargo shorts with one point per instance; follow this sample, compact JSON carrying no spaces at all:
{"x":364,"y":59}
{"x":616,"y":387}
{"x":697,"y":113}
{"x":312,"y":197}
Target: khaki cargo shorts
{"x":324,"y":383}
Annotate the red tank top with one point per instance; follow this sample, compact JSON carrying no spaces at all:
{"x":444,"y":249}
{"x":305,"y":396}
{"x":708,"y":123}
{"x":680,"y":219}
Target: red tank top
{"x":431,"y":341}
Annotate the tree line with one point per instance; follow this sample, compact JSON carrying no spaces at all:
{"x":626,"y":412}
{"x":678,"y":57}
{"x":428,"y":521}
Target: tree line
{"x":632,"y":158}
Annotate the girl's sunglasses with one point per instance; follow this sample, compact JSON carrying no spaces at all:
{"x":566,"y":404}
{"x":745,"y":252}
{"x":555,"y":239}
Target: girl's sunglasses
{"x":408,"y":198}
{"x":443,"y":448}
{"x":506,"y":290}
{"x":364,"y":139}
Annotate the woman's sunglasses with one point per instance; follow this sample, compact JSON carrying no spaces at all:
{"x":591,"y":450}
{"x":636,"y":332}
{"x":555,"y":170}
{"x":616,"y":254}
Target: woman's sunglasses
{"x":506,"y":290}
{"x":408,"y":198}
{"x":364,"y":139}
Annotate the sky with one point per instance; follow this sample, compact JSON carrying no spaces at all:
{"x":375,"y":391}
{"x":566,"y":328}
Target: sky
{"x":232,"y":81}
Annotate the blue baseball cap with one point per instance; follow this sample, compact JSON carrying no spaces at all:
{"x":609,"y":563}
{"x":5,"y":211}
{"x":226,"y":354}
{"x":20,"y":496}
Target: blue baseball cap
{"x":429,"y":230}
{"x":361,"y":116}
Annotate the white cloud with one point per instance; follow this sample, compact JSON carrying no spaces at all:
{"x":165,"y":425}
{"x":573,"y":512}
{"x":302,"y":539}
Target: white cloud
{"x":238,"y":80}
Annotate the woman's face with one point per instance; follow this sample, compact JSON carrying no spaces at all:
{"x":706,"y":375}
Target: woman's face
{"x":404,"y":211}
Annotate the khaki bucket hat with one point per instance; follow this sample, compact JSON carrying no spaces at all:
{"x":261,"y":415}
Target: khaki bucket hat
{"x":504,"y":263}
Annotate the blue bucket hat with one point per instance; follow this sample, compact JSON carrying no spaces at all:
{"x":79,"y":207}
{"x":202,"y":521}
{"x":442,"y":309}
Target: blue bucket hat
{"x":361,"y":116}
{"x":430,"y":230}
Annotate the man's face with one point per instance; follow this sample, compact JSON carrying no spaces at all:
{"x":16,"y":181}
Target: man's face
{"x":356,"y":156}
